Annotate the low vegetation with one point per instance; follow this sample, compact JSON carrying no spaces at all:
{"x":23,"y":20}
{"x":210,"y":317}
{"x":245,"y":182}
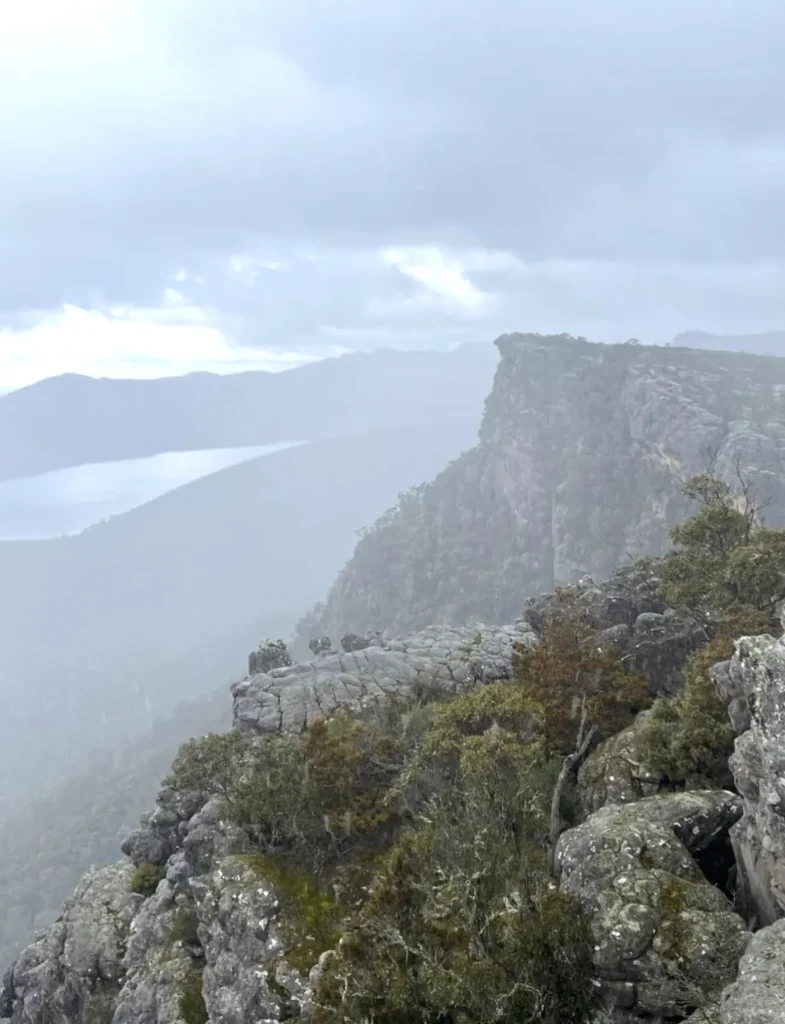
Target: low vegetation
{"x":145,"y":879}
{"x":413,"y":841}
{"x":728,"y":568}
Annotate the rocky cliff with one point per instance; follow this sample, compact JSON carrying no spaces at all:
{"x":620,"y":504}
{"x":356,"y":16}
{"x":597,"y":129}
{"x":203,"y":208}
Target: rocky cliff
{"x":578,"y":468}
{"x":205,"y":940}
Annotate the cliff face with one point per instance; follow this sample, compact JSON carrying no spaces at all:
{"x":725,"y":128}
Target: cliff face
{"x":578,"y":468}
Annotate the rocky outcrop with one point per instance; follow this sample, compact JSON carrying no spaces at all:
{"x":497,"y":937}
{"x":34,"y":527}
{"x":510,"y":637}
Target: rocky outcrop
{"x":212,"y":928}
{"x":758,"y":994}
{"x":666,"y":940}
{"x":75,"y":969}
{"x":631,"y":616}
{"x":617,"y":771}
{"x":582,"y":451}
{"x":753,"y":683}
{"x":435,"y":660}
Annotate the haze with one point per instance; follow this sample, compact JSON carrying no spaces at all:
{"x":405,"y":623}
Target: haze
{"x":253,"y":223}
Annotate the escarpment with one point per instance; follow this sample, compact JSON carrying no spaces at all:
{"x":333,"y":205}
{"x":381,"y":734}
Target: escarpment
{"x":196,"y":926}
{"x":581,"y":455}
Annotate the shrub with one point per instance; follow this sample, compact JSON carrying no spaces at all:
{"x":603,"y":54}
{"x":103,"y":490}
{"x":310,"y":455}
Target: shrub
{"x":577,"y":683}
{"x":688,"y":738}
{"x":453,"y":931}
{"x":724,"y":559}
{"x":191,"y":1001}
{"x":145,"y":879}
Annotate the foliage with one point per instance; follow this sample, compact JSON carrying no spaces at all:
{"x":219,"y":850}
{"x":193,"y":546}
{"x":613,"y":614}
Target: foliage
{"x":724,"y":559}
{"x":311,"y":919}
{"x":191,"y":1002}
{"x":575,"y":680}
{"x":688,"y":738}
{"x":464,"y":923}
{"x":459,"y":791}
{"x":729,"y":568}
{"x":145,"y":879}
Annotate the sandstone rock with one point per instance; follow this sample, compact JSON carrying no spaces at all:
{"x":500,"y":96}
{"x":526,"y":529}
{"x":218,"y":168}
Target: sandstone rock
{"x":616,"y":772}
{"x":758,"y":994}
{"x":754,"y":681}
{"x":75,"y":969}
{"x":146,"y":847}
{"x":665,"y":939}
{"x":245,"y":978}
{"x":439,"y":659}
{"x":320,"y":645}
{"x":270,"y":654}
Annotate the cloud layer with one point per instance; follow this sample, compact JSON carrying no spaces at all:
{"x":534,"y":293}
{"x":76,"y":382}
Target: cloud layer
{"x":303,"y":171}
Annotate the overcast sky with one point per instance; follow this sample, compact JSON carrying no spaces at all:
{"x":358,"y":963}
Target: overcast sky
{"x":231,"y":183}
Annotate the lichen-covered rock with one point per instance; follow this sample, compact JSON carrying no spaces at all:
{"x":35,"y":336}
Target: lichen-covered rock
{"x":245,"y":978}
{"x":758,"y":994}
{"x":157,"y":963}
{"x":320,"y":645}
{"x":72,"y":972}
{"x":351,"y":642}
{"x":617,"y":772}
{"x":754,"y":681}
{"x":438,"y":659}
{"x":269,"y":655}
{"x":144,"y":846}
{"x":665,"y":939}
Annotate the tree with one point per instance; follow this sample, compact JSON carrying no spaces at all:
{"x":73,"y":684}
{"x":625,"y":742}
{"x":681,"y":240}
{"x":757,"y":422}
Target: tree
{"x":584,"y":690}
{"x":729,"y":568}
{"x":724,"y":559}
{"x":581,"y":685}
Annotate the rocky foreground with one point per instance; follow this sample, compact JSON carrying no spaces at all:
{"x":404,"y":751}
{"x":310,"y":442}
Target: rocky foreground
{"x":656,"y":870}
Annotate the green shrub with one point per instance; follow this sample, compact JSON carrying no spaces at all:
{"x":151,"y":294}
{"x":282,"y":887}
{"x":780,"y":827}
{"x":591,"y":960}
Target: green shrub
{"x":688,"y":738}
{"x":191,"y":1002}
{"x":184,"y":925}
{"x":577,"y":683}
{"x":724,"y":559}
{"x":145,"y":879}
{"x":310,"y":919}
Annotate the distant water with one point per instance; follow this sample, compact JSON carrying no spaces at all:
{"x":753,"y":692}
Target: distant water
{"x":66,"y":501}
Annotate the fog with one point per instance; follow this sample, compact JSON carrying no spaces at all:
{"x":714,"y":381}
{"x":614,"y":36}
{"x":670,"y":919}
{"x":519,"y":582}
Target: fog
{"x":252,"y":257}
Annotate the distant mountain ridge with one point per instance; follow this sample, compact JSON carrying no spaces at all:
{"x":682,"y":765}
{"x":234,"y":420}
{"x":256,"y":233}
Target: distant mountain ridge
{"x":69,"y":420}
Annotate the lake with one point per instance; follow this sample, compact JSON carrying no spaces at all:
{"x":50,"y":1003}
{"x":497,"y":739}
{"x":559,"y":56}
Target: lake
{"x":66,"y":501}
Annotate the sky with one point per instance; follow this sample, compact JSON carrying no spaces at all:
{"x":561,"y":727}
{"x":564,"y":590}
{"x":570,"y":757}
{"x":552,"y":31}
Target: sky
{"x":227,"y":184}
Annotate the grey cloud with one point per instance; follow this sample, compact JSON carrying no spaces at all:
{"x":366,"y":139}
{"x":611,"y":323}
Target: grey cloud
{"x":608,"y":132}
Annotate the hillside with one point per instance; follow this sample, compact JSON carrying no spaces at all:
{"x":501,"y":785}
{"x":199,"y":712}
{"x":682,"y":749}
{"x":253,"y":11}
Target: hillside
{"x":69,"y":420}
{"x":577,"y":470}
{"x":104,"y":631}
{"x":46,"y":843}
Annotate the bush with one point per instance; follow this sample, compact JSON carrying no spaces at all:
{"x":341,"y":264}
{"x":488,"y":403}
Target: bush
{"x":191,"y":1002}
{"x":145,"y":879}
{"x":460,"y":928}
{"x":577,"y":683}
{"x":689,"y":738}
{"x":724,"y":560}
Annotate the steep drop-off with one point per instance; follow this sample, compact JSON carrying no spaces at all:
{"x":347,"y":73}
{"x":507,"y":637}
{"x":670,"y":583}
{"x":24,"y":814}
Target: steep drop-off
{"x":582,"y":451}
